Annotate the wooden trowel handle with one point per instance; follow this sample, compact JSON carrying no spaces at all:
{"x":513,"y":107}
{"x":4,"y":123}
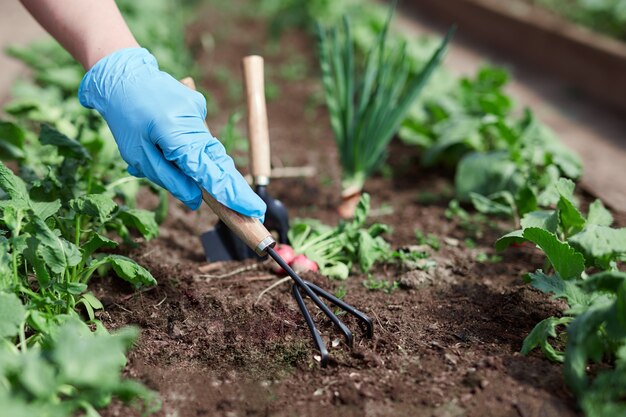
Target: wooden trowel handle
{"x":258,"y":133}
{"x":250,"y":230}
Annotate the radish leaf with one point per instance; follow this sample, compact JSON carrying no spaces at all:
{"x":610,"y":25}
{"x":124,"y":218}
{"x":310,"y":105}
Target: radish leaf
{"x":97,"y":206}
{"x":543,"y":219}
{"x":96,"y":242}
{"x":606,"y":281}
{"x":12,"y":315}
{"x":57,"y":253}
{"x":599,"y":215}
{"x":12,"y":139}
{"x":129,"y":270}
{"x":65,"y":145}
{"x":566,"y":290}
{"x":45,"y":209}
{"x":14,"y":186}
{"x":600,"y":244}
{"x":540,"y":335}
{"x":141,"y":220}
{"x":565,"y":260}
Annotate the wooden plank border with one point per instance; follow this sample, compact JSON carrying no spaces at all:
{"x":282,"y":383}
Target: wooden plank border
{"x":593,"y":63}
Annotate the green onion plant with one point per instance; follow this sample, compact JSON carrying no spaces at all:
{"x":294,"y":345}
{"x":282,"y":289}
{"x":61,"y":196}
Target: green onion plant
{"x":367,"y":103}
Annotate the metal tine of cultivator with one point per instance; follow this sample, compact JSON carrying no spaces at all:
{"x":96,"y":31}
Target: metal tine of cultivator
{"x":369,"y":323}
{"x":317,"y":338}
{"x":301,"y":284}
{"x":312,"y":291}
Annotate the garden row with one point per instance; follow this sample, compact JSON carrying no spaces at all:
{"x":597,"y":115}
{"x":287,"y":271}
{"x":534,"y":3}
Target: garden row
{"x":505,"y":165}
{"x":71,"y":200}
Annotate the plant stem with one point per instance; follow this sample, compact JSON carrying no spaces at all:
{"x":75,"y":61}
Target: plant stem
{"x":77,"y":232}
{"x":87,"y":272}
{"x":14,"y":259}
{"x":121,"y":181}
{"x":23,"y":345}
{"x":33,"y":337}
{"x":59,"y":224}
{"x":16,"y":233}
{"x":77,"y":227}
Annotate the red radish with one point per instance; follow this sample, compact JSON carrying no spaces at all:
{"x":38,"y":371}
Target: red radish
{"x":302,"y":264}
{"x":286,"y":252}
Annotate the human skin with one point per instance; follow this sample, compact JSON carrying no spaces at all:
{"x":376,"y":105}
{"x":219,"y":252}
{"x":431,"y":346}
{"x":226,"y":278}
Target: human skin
{"x":88,"y":29}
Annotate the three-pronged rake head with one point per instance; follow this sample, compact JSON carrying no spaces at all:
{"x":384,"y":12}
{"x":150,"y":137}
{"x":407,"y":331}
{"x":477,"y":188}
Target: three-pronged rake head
{"x":314,"y":293}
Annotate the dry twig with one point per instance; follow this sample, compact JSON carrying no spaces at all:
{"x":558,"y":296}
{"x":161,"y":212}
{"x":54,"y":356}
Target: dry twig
{"x":271,"y":287}
{"x":234,"y":272}
{"x":245,"y":279}
{"x":214,"y":266}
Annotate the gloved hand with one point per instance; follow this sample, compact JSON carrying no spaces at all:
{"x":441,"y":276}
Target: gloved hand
{"x":158,"y":125}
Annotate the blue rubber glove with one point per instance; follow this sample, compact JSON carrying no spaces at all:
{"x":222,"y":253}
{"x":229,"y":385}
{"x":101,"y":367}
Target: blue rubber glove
{"x":158,"y":124}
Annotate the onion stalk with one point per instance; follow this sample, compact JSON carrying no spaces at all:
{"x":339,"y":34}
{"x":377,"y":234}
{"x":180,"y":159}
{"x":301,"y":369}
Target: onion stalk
{"x":367,"y":103}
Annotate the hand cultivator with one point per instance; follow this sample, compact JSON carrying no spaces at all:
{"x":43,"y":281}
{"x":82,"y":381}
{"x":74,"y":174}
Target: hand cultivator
{"x":257,"y":237}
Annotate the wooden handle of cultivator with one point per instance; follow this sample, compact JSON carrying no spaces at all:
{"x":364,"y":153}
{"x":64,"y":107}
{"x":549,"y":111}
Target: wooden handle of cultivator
{"x":250,"y":230}
{"x":258,"y":132}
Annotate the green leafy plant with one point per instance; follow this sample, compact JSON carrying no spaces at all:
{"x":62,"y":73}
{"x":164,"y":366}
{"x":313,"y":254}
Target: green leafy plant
{"x":52,"y":227}
{"x":472,"y":223}
{"x":337,"y":249}
{"x":61,"y":217}
{"x":54,"y":219}
{"x":483,"y":257}
{"x":352,"y":243}
{"x":374,"y":284}
{"x":468,"y":123}
{"x":410,"y":258}
{"x":429,"y":240}
{"x":503,"y":165}
{"x":367,"y":107}
{"x":71,"y":369}
{"x":582,"y":259}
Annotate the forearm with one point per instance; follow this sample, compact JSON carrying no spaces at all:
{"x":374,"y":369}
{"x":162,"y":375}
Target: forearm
{"x":88,"y":29}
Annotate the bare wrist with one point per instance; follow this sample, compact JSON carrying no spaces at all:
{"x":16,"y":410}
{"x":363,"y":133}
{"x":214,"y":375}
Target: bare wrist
{"x":100,"y":50}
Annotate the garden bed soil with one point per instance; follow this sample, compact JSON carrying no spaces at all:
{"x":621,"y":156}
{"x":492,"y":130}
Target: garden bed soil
{"x":445,"y":344}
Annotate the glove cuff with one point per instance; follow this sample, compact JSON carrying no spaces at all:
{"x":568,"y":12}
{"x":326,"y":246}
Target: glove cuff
{"x":103,"y":78}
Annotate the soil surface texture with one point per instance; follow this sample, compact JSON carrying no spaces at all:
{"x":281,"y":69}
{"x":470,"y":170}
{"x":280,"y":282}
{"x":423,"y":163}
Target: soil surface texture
{"x":445,"y":343}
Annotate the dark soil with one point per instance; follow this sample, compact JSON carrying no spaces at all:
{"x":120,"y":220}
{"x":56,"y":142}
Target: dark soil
{"x":445,"y":345}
